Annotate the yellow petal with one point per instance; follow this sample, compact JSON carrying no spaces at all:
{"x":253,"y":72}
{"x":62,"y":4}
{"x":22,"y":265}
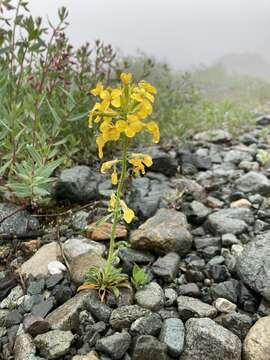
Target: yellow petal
{"x":108,"y":165}
{"x":116,"y":102}
{"x":129,"y":132}
{"x":121,"y":125}
{"x":112,"y":202}
{"x":100,"y":143}
{"x":114,"y":178}
{"x":128,"y":215}
{"x":116,"y":93}
{"x":126,"y":78}
{"x":105,"y":94}
{"x":148,"y":160}
{"x":97,"y":90}
{"x":154,"y":130}
{"x":148,"y":87}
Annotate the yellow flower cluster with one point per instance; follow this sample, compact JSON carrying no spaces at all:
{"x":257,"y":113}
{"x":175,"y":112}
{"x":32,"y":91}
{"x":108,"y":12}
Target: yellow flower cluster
{"x":128,"y":214}
{"x":122,"y":111}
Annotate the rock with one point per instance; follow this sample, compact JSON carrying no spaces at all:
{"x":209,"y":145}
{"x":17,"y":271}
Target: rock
{"x":167,"y":267}
{"x":80,"y":220}
{"x":3,"y":317}
{"x":124,"y":316}
{"x":249,"y":166}
{"x":133,"y":256}
{"x":163,"y":162}
{"x":199,"y":162}
{"x":12,"y":298}
{"x":257,"y":342}
{"x":232,"y":221}
{"x":38,"y":263}
{"x":173,"y":335}
{"x":147,"y":325}
{"x":190,"y":289}
{"x":24,"y":347}
{"x":263,"y":120}
{"x":189,"y":307}
{"x":100,"y":311}
{"x":241,"y":203}
{"x":14,"y":317}
{"x":147,"y":347}
{"x":236,"y":156}
{"x":114,"y":345}
{"x":197,"y":212}
{"x":44,"y":307}
{"x":227,"y":289}
{"x":36,"y":286}
{"x":206,"y":340}
{"x":19,"y":223}
{"x":151,"y":297}
{"x":189,"y":186}
{"x":90,"y":356}
{"x":80,"y":245}
{"x":253,"y":265}
{"x":213,"y":136}
{"x":254,"y":182}
{"x":166,"y":231}
{"x":103,"y":232}
{"x":78,"y":184}
{"x":54,"y":343}
{"x":224,"y":305}
{"x":229,"y":240}
{"x":81,"y":264}
{"x":237,"y":323}
{"x":35,"y":325}
{"x":66,"y":316}
{"x":56,"y":267}
{"x":170,"y":296}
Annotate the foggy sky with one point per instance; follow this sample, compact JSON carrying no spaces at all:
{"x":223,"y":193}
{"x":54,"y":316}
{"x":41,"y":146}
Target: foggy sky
{"x":182,"y":32}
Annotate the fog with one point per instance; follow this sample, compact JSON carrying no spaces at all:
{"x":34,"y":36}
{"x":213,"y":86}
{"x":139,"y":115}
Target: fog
{"x":182,"y":32}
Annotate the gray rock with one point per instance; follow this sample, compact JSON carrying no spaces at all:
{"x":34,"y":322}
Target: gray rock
{"x":190,"y":289}
{"x":3,"y":317}
{"x":213,"y":136}
{"x":254,"y":182}
{"x":170,"y":296}
{"x":81,"y":264}
{"x":78,"y":184}
{"x":66,"y":316}
{"x":44,"y":307}
{"x":226,"y":289}
{"x":166,"y":231}
{"x":38,"y":263}
{"x":232,"y":221}
{"x":19,"y":223}
{"x":54,"y":343}
{"x":79,"y":220}
{"x":229,"y":240}
{"x":99,"y":310}
{"x":163,"y":162}
{"x":253,"y":265}
{"x":236,"y":156}
{"x":189,"y":186}
{"x":147,"y":347}
{"x":24,"y":347}
{"x":173,"y":335}
{"x":197,"y":212}
{"x":35,"y":325}
{"x":224,"y":305}
{"x":36,"y":286}
{"x":12,"y":298}
{"x":206,"y":340}
{"x":151,"y":297}
{"x":135,"y":256}
{"x":237,"y":323}
{"x":189,"y":307}
{"x":167,"y":267}
{"x":114,"y":345}
{"x":80,"y":245}
{"x":263,"y":120}
{"x":147,"y":325}
{"x":256,"y":344}
{"x":124,"y":316}
{"x":14,"y":317}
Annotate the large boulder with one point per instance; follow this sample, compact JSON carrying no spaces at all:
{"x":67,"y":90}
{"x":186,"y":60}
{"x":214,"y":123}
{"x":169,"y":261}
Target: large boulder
{"x":229,"y":221}
{"x":77,"y":184}
{"x":206,"y":340}
{"x":257,"y":342}
{"x":254,"y":182}
{"x":253,"y":265}
{"x":166,"y":231}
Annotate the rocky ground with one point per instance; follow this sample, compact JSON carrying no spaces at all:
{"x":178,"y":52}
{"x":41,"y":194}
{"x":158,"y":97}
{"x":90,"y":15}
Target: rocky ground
{"x":202,"y":235}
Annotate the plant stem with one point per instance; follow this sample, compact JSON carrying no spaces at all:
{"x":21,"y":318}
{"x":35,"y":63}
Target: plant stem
{"x":117,"y":203}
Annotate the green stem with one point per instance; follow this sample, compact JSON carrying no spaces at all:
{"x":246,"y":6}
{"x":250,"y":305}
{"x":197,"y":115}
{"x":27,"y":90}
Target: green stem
{"x":117,"y":203}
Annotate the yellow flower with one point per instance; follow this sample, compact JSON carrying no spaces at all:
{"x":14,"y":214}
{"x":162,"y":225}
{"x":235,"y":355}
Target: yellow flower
{"x":97,"y":90}
{"x":147,"y":159}
{"x":108,"y":165}
{"x":153,"y":128}
{"x":112,"y":202}
{"x":137,"y":166}
{"x":128,"y":214}
{"x":126,"y":78}
{"x":114,"y":178}
{"x":112,"y":97}
{"x":139,"y":160}
{"x":147,"y":87}
{"x":100,"y":143}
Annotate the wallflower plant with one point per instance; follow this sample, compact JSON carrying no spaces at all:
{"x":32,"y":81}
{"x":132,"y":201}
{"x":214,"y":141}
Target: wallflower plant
{"x":120,"y":114}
